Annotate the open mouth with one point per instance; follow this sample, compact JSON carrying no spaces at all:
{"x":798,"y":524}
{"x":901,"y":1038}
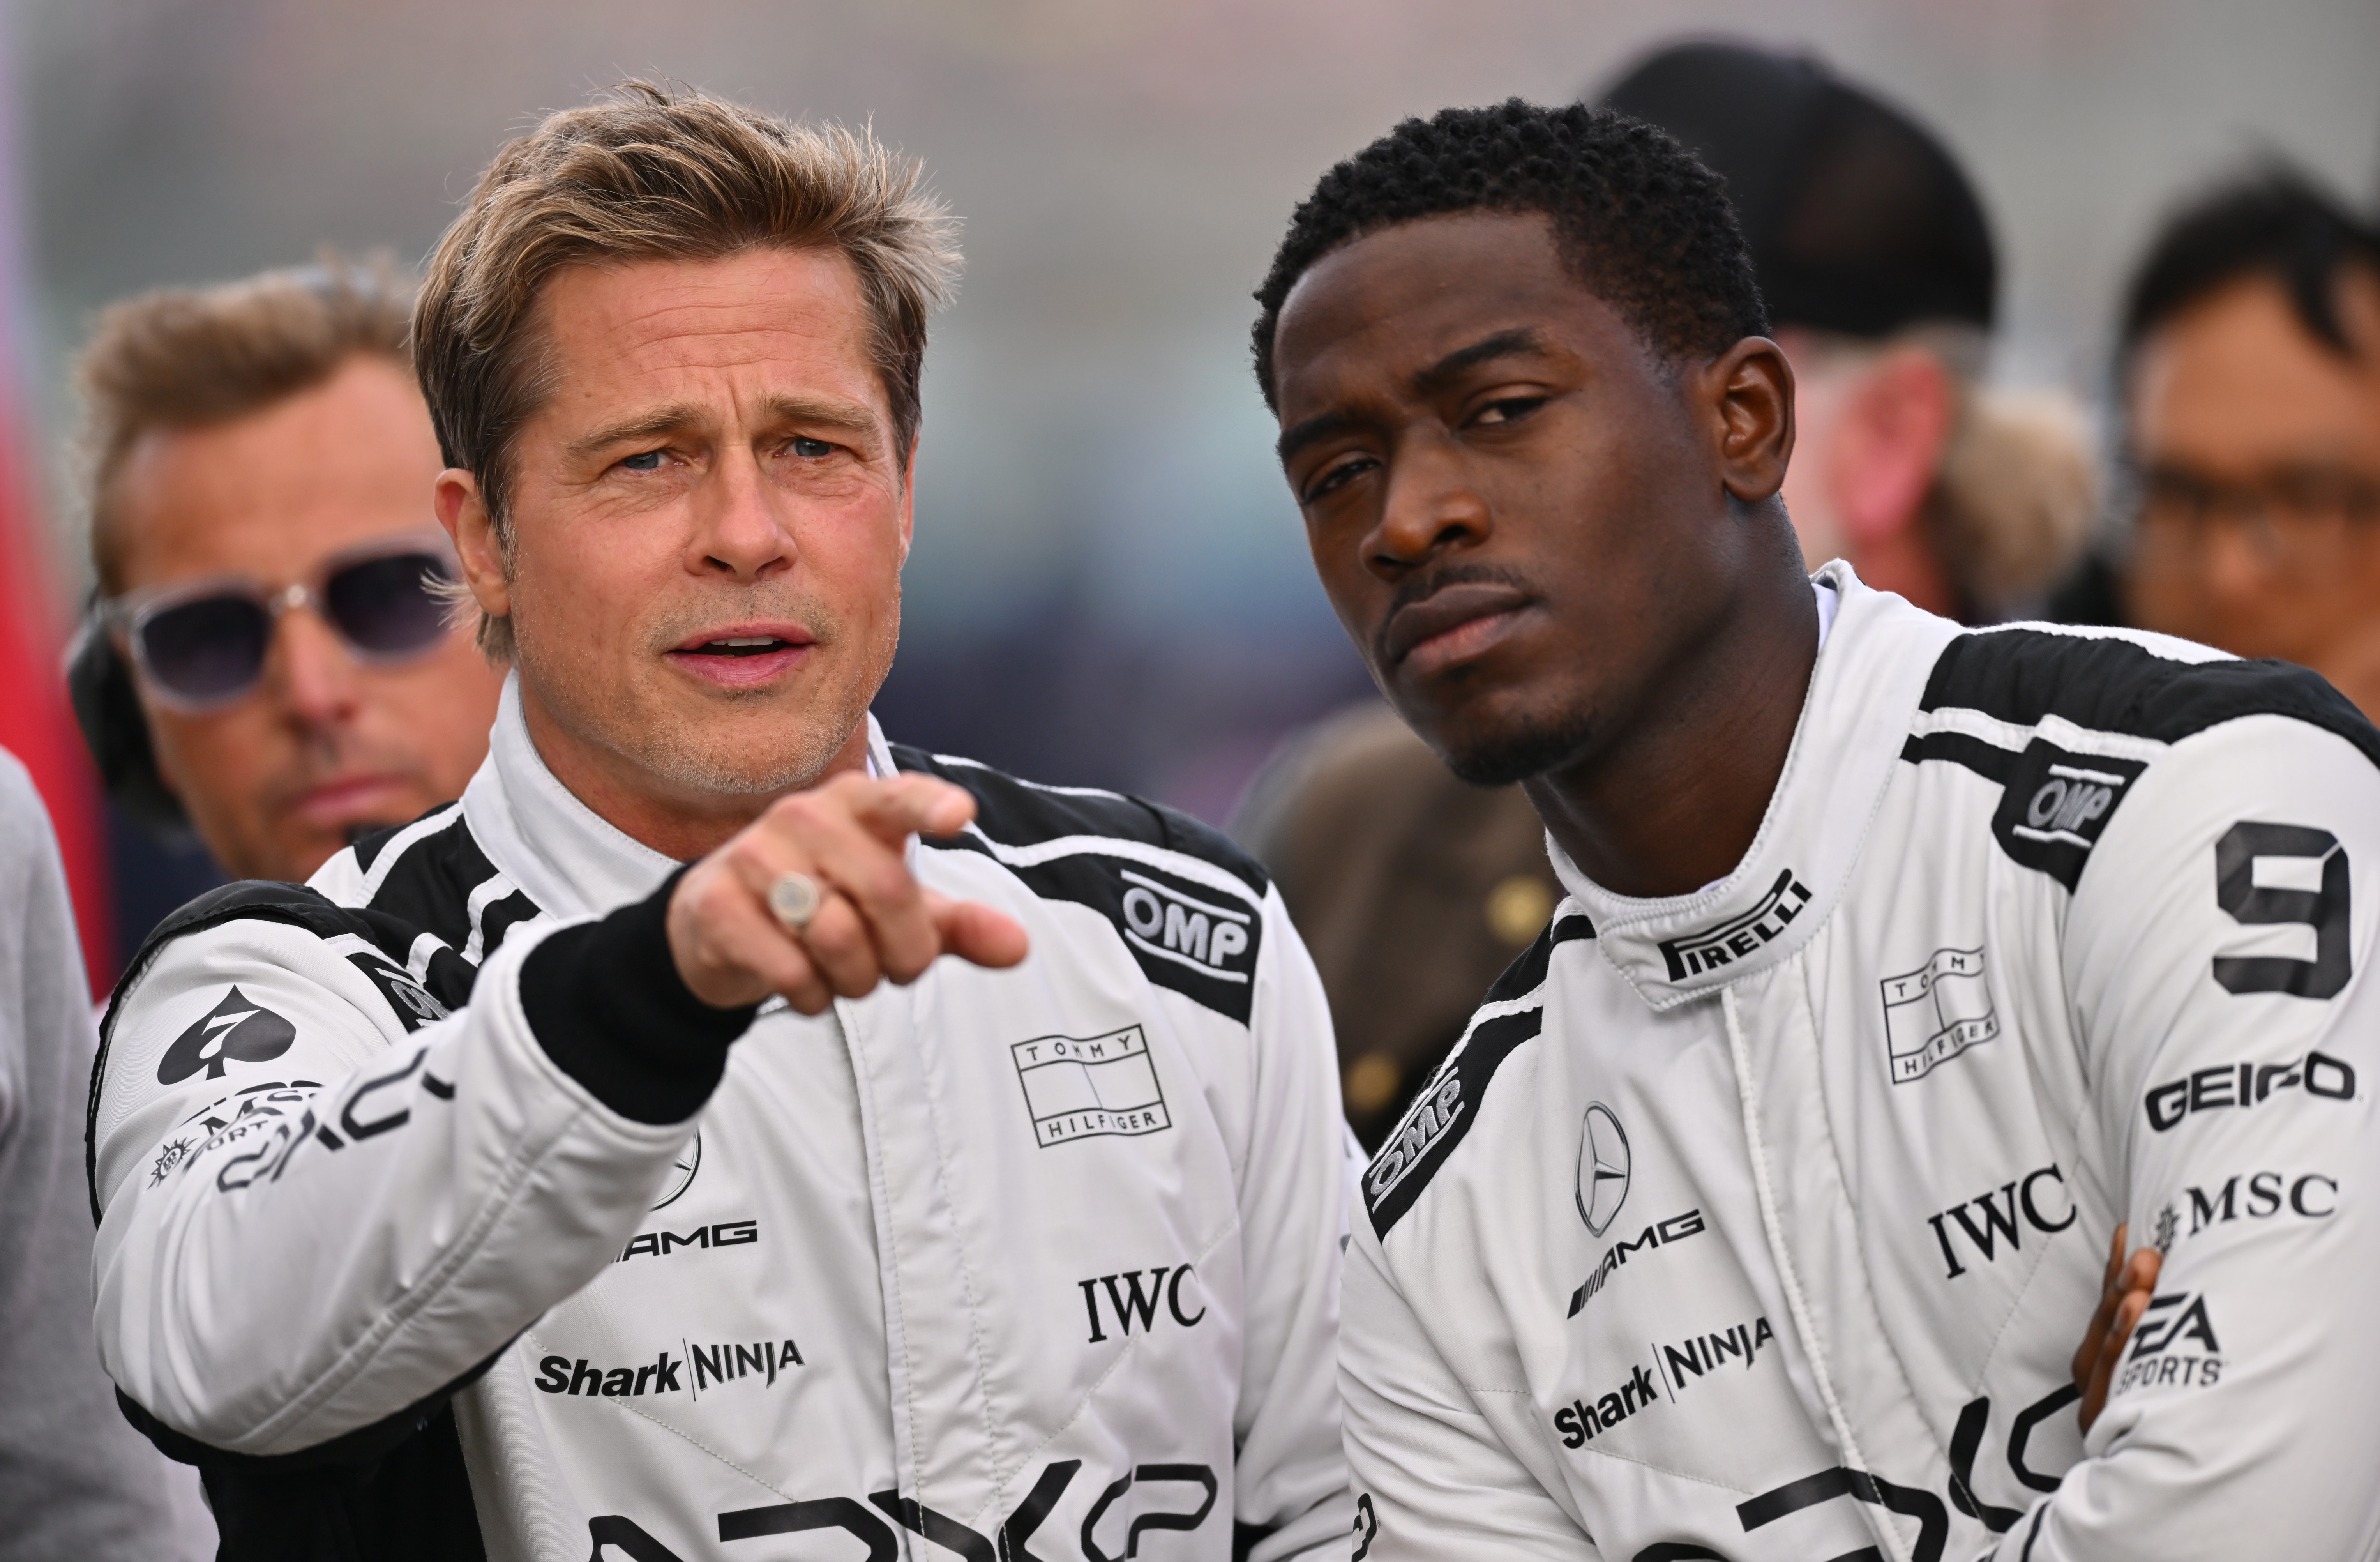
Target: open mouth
{"x":740,"y":645}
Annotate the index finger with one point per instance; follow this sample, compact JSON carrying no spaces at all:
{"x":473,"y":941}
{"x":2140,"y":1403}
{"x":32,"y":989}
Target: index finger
{"x":895,"y":809}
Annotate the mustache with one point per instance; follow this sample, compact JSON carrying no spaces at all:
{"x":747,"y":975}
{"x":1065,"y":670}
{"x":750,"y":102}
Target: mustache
{"x":1422,"y":587}
{"x":677,"y":623}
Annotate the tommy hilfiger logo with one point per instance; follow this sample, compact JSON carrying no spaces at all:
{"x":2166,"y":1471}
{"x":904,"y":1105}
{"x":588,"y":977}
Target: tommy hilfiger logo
{"x":1083,"y":1087}
{"x":1741,"y":937}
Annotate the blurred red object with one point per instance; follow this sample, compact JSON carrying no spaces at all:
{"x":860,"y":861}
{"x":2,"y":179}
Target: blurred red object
{"x":36,"y":724}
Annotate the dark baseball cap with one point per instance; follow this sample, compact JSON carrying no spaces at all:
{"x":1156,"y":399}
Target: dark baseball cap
{"x":1859,"y":219}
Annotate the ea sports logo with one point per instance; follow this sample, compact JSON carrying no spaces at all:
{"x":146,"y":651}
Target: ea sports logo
{"x":1603,"y":1167}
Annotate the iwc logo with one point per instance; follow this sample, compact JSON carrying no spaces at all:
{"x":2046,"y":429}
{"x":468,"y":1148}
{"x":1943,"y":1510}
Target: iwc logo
{"x":682,"y":1170}
{"x":1603,"y":1167}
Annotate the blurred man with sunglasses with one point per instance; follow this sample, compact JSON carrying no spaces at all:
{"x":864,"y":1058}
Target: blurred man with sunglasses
{"x":269,"y":662}
{"x":2250,"y":368}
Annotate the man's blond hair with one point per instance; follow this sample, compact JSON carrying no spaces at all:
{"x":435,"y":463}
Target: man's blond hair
{"x":194,"y":358}
{"x":652,"y":173}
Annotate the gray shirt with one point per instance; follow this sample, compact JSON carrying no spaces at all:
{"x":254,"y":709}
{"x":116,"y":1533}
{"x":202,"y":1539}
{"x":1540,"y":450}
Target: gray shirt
{"x":76,"y":1481}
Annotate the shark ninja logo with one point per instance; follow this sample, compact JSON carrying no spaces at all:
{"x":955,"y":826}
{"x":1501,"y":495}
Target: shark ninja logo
{"x":236,"y":1030}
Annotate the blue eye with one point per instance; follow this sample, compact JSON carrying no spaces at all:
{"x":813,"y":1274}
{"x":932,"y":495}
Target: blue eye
{"x":811,"y":449}
{"x":644,"y":461}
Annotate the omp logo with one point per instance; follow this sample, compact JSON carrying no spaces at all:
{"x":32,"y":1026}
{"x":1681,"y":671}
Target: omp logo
{"x":1933,"y":1014}
{"x":1080,"y":1088}
{"x":1603,"y":1161}
{"x":1424,"y":1125}
{"x":1162,"y":920}
{"x":237,"y":1029}
{"x":2072,"y":800}
{"x":1740,"y":938}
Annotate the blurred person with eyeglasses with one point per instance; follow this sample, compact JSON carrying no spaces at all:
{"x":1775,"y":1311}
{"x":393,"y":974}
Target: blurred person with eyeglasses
{"x":2249,"y":369}
{"x":269,"y":661}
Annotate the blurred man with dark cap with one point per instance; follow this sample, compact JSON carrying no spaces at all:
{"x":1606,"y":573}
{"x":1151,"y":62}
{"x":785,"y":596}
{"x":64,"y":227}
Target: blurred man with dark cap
{"x":2249,"y":368}
{"x":1875,"y":259}
{"x":268,"y":664}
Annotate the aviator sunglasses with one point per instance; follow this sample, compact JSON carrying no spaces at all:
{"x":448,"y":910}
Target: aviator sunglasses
{"x":202,"y":644}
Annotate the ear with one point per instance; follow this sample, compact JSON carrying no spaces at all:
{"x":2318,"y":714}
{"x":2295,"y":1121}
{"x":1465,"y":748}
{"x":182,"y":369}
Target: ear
{"x":1749,"y":389}
{"x":909,"y":496}
{"x":463,"y":511}
{"x":1887,"y":442}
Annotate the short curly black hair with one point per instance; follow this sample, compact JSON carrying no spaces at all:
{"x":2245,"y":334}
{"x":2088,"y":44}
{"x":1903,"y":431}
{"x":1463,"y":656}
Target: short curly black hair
{"x":1641,"y":223}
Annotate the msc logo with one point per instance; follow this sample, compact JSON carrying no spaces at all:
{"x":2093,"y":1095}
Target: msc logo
{"x":1162,"y":920}
{"x":1602,"y":1184}
{"x":2072,"y":800}
{"x":1424,"y":1125}
{"x":1741,"y":937}
{"x":239,"y":1029}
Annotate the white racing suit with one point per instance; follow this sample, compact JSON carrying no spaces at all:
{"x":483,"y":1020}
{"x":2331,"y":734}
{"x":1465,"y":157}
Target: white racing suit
{"x":438,"y":1218}
{"x":1762,"y":1222}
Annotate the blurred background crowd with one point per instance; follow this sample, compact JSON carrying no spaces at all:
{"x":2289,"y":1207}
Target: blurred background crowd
{"x":2082,"y":297}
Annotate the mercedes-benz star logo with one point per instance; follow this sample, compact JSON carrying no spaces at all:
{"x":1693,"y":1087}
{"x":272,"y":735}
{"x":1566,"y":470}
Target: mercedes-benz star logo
{"x":1602,"y":1169}
{"x":682,"y":1170}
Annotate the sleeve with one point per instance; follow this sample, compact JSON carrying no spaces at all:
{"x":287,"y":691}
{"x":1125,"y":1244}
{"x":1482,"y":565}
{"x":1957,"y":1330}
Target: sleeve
{"x":1290,"y":1490}
{"x":316,"y":1220}
{"x":1432,"y":1477}
{"x":2220,"y":955}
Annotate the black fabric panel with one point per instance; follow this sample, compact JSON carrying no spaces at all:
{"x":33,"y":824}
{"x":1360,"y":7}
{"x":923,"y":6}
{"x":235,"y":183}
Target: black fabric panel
{"x":605,"y":1001}
{"x":369,"y":845}
{"x":1442,"y":1114}
{"x":1986,"y":760}
{"x":429,"y":887}
{"x":1013,"y":813}
{"x":2111,"y":685}
{"x":394,"y":1491}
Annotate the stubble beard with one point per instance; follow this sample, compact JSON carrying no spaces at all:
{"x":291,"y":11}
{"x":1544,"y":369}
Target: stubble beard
{"x":730,"y":750}
{"x":1517,"y":752}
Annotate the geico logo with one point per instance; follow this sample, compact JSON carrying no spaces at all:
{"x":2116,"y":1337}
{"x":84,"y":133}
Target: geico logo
{"x":2312,"y":1197}
{"x":1707,"y":1352}
{"x":660,"y":1244}
{"x":1130,"y":1302}
{"x":2000,"y":1212}
{"x":1427,"y":1118}
{"x":1579,"y":1420}
{"x":1677,"y":1228}
{"x":2169,"y":1326}
{"x":1738,"y":937}
{"x":1165,"y":922}
{"x":2246,"y":1084}
{"x":2069,"y":799}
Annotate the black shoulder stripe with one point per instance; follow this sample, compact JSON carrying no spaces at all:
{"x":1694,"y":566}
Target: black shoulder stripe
{"x":2109,"y":684}
{"x":429,"y":887}
{"x":367,"y":846}
{"x":1441,"y":1116}
{"x":1986,"y":760}
{"x":1018,"y":813}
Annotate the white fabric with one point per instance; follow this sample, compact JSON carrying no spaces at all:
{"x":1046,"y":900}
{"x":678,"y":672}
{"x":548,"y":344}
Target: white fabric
{"x":917,"y":1289}
{"x":1860,"y":1178}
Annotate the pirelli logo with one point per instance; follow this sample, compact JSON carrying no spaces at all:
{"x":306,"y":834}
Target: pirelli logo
{"x":1739,"y":938}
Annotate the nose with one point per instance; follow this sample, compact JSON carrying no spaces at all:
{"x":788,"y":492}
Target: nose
{"x":739,"y":532}
{"x":309,"y":674}
{"x":1430,"y":506}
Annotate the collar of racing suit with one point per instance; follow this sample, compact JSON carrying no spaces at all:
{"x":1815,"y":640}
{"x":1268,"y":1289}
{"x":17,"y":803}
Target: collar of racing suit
{"x":567,"y":858}
{"x":1854,"y":720}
